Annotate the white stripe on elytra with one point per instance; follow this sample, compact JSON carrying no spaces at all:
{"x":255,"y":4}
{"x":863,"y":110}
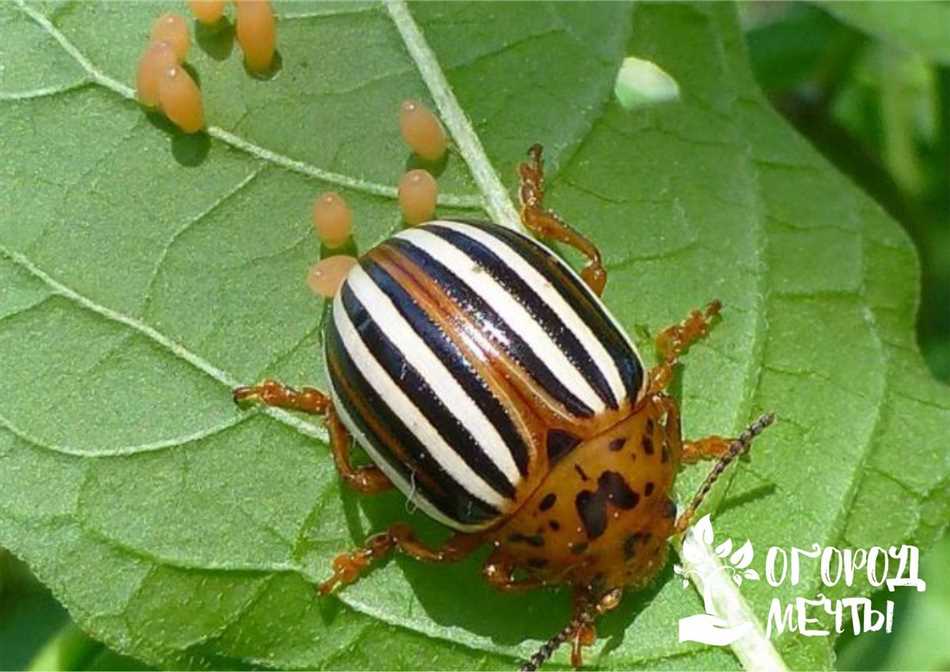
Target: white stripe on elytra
{"x":549,"y":295}
{"x":408,"y":412}
{"x":439,"y":378}
{"x":503,"y":303}
{"x":413,"y":494}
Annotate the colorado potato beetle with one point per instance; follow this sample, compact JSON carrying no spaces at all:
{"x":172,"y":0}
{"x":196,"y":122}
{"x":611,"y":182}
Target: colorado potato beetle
{"x":489,"y":383}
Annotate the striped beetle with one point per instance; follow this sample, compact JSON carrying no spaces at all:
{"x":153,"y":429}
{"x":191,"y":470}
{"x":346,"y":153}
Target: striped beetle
{"x":488,"y":382}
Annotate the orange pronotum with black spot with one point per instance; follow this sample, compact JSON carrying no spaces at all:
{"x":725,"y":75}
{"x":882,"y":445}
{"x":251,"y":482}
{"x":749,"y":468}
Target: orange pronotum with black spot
{"x":490,"y":384}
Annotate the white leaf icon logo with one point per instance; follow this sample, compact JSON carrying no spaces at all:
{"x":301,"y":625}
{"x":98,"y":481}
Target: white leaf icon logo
{"x":723,"y":549}
{"x":742,"y":558}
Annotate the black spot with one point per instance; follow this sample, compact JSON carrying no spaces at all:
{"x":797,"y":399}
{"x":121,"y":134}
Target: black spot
{"x":670,"y":509}
{"x":547,"y":502}
{"x":535,"y":540}
{"x":537,"y":563}
{"x":592,"y":509}
{"x":554,"y":525}
{"x":617,"y":490}
{"x":592,"y":506}
{"x":616,"y":444}
{"x":560,"y":443}
{"x":578,"y":548}
{"x":647,"y":444}
{"x":630,"y":544}
{"x":650,"y":427}
{"x":665,"y":453}
{"x":581,"y":472}
{"x":648,"y":489}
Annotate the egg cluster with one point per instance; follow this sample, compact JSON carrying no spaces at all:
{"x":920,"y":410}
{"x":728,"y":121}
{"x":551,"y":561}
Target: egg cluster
{"x":417,"y":192}
{"x":163,"y":83}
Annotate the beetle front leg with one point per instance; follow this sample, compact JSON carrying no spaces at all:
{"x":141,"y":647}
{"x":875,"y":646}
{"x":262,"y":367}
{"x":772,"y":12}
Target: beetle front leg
{"x":580,"y":631}
{"x":368,"y":479}
{"x":675,"y":340}
{"x":347,"y":567}
{"x":706,"y":448}
{"x":734,"y":448}
{"x":547,"y":224}
{"x":499,"y":571}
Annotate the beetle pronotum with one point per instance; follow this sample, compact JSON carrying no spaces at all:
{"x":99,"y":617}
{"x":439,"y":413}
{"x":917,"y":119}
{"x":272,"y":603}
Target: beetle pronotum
{"x":489,"y":383}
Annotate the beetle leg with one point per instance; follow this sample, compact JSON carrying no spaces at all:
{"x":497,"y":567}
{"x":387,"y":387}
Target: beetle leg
{"x":499,"y":571}
{"x":735,"y":448}
{"x":579,"y":631}
{"x":271,"y":393}
{"x":547,"y":224}
{"x":706,"y":448}
{"x":367,"y":479}
{"x":347,"y":567}
{"x":675,"y":340}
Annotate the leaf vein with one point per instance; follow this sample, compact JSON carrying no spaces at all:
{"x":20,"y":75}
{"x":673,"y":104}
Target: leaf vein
{"x":175,"y":348}
{"x":496,"y":201}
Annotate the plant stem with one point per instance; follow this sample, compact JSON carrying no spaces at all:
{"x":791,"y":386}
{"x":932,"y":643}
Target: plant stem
{"x":754,"y":650}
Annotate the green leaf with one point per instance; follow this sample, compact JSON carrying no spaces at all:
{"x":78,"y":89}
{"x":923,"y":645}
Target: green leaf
{"x":923,"y":27}
{"x":145,"y":273}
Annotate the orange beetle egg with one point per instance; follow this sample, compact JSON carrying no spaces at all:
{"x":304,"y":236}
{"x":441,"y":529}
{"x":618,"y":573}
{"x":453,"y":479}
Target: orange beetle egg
{"x":180,"y":99}
{"x":157,"y":57}
{"x":417,"y":194}
{"x":173,"y":29}
{"x":207,"y":12}
{"x":332,"y":219}
{"x":421,"y":130}
{"x":326,"y":276}
{"x":256,"y":33}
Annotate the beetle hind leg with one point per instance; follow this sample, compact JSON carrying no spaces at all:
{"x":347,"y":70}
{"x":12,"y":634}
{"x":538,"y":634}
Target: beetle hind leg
{"x":547,"y":224}
{"x":348,"y":567}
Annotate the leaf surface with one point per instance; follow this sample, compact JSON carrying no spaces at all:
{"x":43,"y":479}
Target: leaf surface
{"x":921,"y":26}
{"x":145,"y":273}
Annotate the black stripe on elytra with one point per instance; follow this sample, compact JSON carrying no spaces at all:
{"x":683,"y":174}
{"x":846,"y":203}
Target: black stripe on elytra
{"x":455,"y":502}
{"x":501,"y":332}
{"x":516,"y":286}
{"x":453,"y":359}
{"x":449,"y":426}
{"x":578,"y":296}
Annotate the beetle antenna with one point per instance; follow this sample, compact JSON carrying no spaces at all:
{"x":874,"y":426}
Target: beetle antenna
{"x":736,"y":448}
{"x":585,"y":617}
